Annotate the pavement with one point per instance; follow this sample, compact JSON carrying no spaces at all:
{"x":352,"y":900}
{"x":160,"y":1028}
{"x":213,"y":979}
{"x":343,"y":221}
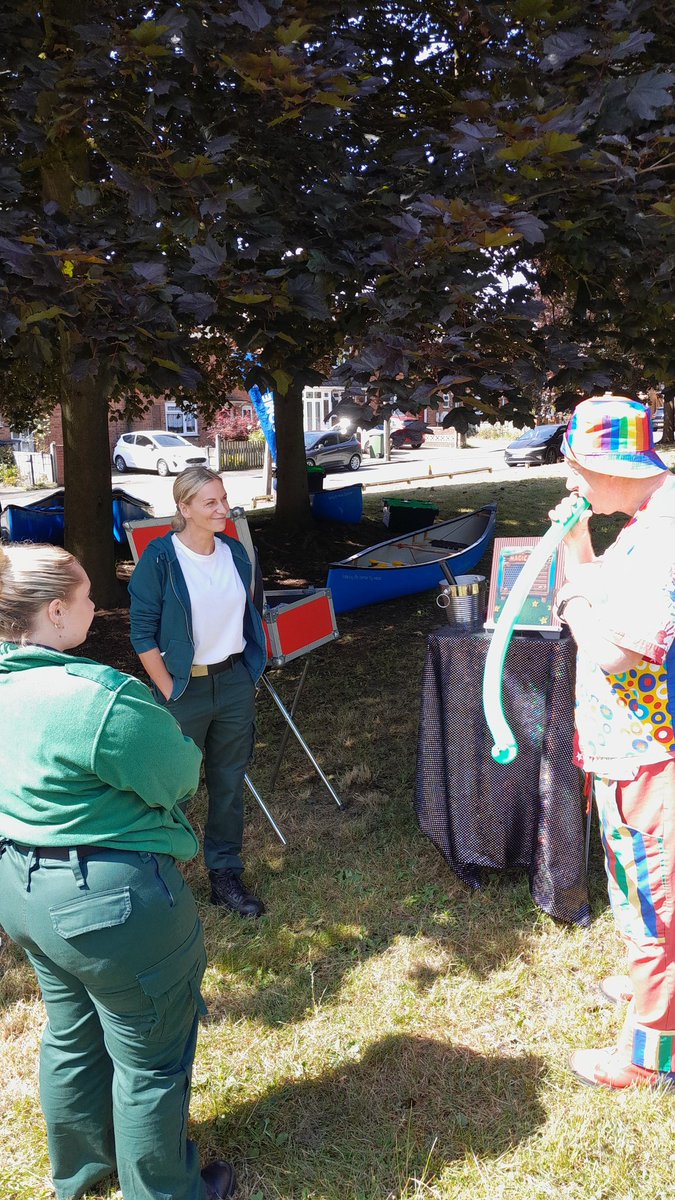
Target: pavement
{"x":436,"y":463}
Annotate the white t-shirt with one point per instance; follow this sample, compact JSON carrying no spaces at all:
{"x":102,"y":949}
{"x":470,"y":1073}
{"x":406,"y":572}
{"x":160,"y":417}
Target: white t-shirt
{"x":217,"y":599}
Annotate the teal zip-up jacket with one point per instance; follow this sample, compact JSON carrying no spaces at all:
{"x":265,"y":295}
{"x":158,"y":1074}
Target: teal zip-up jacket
{"x":161,"y":616}
{"x":89,"y":757}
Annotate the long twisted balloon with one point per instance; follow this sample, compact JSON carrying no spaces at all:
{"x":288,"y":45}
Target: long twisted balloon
{"x":505,"y":746}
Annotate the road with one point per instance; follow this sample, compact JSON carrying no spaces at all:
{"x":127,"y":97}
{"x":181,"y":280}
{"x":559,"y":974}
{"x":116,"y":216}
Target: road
{"x":430,"y":466}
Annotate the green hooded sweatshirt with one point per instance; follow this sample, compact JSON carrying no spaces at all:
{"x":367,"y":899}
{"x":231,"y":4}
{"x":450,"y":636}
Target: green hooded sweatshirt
{"x":89,"y":758}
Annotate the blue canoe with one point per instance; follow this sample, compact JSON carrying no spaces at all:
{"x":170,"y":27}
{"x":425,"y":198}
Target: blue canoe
{"x":410,"y":563}
{"x":43,"y":519}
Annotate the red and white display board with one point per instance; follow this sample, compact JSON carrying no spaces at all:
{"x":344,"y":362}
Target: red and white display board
{"x":141,"y":533}
{"x":297,"y":622}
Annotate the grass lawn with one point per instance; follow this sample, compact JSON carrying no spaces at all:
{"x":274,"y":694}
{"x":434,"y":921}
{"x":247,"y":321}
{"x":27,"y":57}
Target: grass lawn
{"x":383,"y":1031}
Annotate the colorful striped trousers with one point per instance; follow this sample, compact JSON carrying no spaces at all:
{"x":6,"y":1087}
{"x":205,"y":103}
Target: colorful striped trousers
{"x":637,"y":823}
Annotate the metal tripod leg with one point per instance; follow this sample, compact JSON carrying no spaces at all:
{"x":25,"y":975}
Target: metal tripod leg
{"x":286,"y":730}
{"x":294,"y":729}
{"x":258,"y":798}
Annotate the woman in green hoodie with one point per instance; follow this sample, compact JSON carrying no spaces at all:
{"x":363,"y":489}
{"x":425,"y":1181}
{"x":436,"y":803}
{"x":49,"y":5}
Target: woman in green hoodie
{"x":90,"y":831}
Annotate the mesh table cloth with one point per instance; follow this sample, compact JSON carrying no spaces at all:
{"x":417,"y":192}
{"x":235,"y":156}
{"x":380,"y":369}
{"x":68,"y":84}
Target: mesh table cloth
{"x":528,"y":813}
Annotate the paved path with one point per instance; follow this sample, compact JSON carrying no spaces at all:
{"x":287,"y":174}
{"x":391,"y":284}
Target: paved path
{"x":433,"y":465}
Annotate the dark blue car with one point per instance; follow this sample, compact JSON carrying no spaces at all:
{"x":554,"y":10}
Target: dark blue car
{"x":536,"y":446}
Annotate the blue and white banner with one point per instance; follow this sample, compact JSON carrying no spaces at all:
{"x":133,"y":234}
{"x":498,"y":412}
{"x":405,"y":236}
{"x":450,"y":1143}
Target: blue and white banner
{"x":263,"y":403}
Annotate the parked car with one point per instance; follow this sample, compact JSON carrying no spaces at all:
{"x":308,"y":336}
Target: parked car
{"x":331,"y":448}
{"x":657,"y":420}
{"x":409,"y":432}
{"x":156,"y":450}
{"x":401,"y":433}
{"x":536,"y":446}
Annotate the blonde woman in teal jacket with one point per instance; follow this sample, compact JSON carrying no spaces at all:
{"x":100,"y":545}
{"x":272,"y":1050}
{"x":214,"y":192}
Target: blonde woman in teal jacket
{"x":90,"y":832}
{"x":200,"y":638}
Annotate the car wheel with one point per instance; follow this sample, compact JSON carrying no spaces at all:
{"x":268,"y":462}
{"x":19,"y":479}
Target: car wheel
{"x":551,"y":456}
{"x":120,"y":464}
{"x":311,"y":462}
{"x":354,"y":462}
{"x":162,"y":467}
{"x":415,"y":445}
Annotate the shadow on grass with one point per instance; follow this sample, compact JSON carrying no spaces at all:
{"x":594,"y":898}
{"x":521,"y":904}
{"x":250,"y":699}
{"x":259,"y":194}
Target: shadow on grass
{"x":353,"y":888}
{"x":378,"y":1126}
{"x":358,"y":884}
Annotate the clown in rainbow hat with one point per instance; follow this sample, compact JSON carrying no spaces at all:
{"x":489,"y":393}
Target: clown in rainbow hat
{"x":620,"y":608}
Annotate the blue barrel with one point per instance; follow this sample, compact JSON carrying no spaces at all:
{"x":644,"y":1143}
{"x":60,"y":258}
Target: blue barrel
{"x":341,"y":504}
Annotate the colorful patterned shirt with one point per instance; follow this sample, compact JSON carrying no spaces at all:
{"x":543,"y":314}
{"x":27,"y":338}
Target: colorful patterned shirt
{"x":627,"y":720}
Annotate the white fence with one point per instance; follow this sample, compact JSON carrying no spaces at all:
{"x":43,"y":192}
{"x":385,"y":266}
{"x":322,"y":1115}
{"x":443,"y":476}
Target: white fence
{"x":35,"y":467}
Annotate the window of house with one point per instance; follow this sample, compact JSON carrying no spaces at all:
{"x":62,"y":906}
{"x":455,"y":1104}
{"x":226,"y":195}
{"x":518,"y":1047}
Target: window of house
{"x":178,"y":421}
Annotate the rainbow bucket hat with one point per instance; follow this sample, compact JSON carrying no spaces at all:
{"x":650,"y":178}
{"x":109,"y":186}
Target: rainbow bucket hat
{"x":613,"y":436}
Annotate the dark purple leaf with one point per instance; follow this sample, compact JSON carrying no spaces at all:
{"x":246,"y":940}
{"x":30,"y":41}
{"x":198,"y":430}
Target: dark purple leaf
{"x":650,"y":93}
{"x":305,"y":293}
{"x":153,"y":272}
{"x":142,"y":203}
{"x":633,"y":43}
{"x":189,"y":377}
{"x":493,"y":383}
{"x":208,"y":258}
{"x":18,"y":258}
{"x":252,"y":14}
{"x":216,"y":147}
{"x":10,"y":183}
{"x":531,"y":227}
{"x":197,"y":304}
{"x":559,"y":48}
{"x":9,"y":324}
{"x":407,"y":224}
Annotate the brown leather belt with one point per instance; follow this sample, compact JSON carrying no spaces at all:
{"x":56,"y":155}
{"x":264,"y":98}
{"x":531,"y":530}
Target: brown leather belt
{"x":199,"y":670}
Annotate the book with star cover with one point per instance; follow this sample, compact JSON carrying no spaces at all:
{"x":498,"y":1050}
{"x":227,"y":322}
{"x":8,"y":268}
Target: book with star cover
{"x":538,"y":612}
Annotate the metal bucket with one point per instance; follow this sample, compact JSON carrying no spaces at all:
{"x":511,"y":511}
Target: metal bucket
{"x":464,"y":601}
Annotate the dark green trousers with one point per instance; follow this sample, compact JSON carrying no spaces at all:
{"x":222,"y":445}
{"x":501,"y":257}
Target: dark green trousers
{"x":218,"y":713}
{"x":117,"y":947}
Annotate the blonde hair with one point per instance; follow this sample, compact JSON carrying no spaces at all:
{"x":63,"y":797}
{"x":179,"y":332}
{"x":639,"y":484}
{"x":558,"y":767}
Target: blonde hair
{"x":31,"y":576}
{"x":185,"y":488}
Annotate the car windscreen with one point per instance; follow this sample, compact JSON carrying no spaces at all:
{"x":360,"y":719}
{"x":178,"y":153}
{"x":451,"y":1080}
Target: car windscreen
{"x":312,"y":438}
{"x":170,"y":439}
{"x":535,"y":437}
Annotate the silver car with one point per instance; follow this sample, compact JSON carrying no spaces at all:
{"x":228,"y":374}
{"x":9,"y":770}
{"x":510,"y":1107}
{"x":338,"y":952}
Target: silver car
{"x":330,"y":448}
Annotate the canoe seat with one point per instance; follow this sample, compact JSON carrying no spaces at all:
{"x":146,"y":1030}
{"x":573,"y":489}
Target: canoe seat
{"x":442,"y":545}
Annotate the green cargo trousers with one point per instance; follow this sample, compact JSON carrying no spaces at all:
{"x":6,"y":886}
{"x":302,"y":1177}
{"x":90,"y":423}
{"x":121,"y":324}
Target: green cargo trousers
{"x":218,"y":713}
{"x":117,"y":947}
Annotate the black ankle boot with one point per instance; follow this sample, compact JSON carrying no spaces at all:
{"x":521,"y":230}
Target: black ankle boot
{"x":228,"y":890}
{"x":220,"y":1180}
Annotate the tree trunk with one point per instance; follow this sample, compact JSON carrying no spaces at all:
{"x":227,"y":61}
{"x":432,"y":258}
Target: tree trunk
{"x":292,"y":489}
{"x":668,"y":435}
{"x":88,"y":489}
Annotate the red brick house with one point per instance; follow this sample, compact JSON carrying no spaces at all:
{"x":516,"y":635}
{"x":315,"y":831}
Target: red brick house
{"x":160,"y":415}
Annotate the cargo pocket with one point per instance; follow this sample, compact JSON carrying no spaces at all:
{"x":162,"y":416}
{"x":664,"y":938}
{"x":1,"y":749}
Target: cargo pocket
{"x":166,"y":982}
{"x":97,"y":910}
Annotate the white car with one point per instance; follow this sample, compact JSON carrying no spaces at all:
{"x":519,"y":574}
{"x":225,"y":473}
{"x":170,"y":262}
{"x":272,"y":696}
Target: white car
{"x":156,"y":450}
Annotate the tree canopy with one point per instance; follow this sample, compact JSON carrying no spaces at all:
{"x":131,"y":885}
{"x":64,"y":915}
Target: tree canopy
{"x":475,"y":198}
